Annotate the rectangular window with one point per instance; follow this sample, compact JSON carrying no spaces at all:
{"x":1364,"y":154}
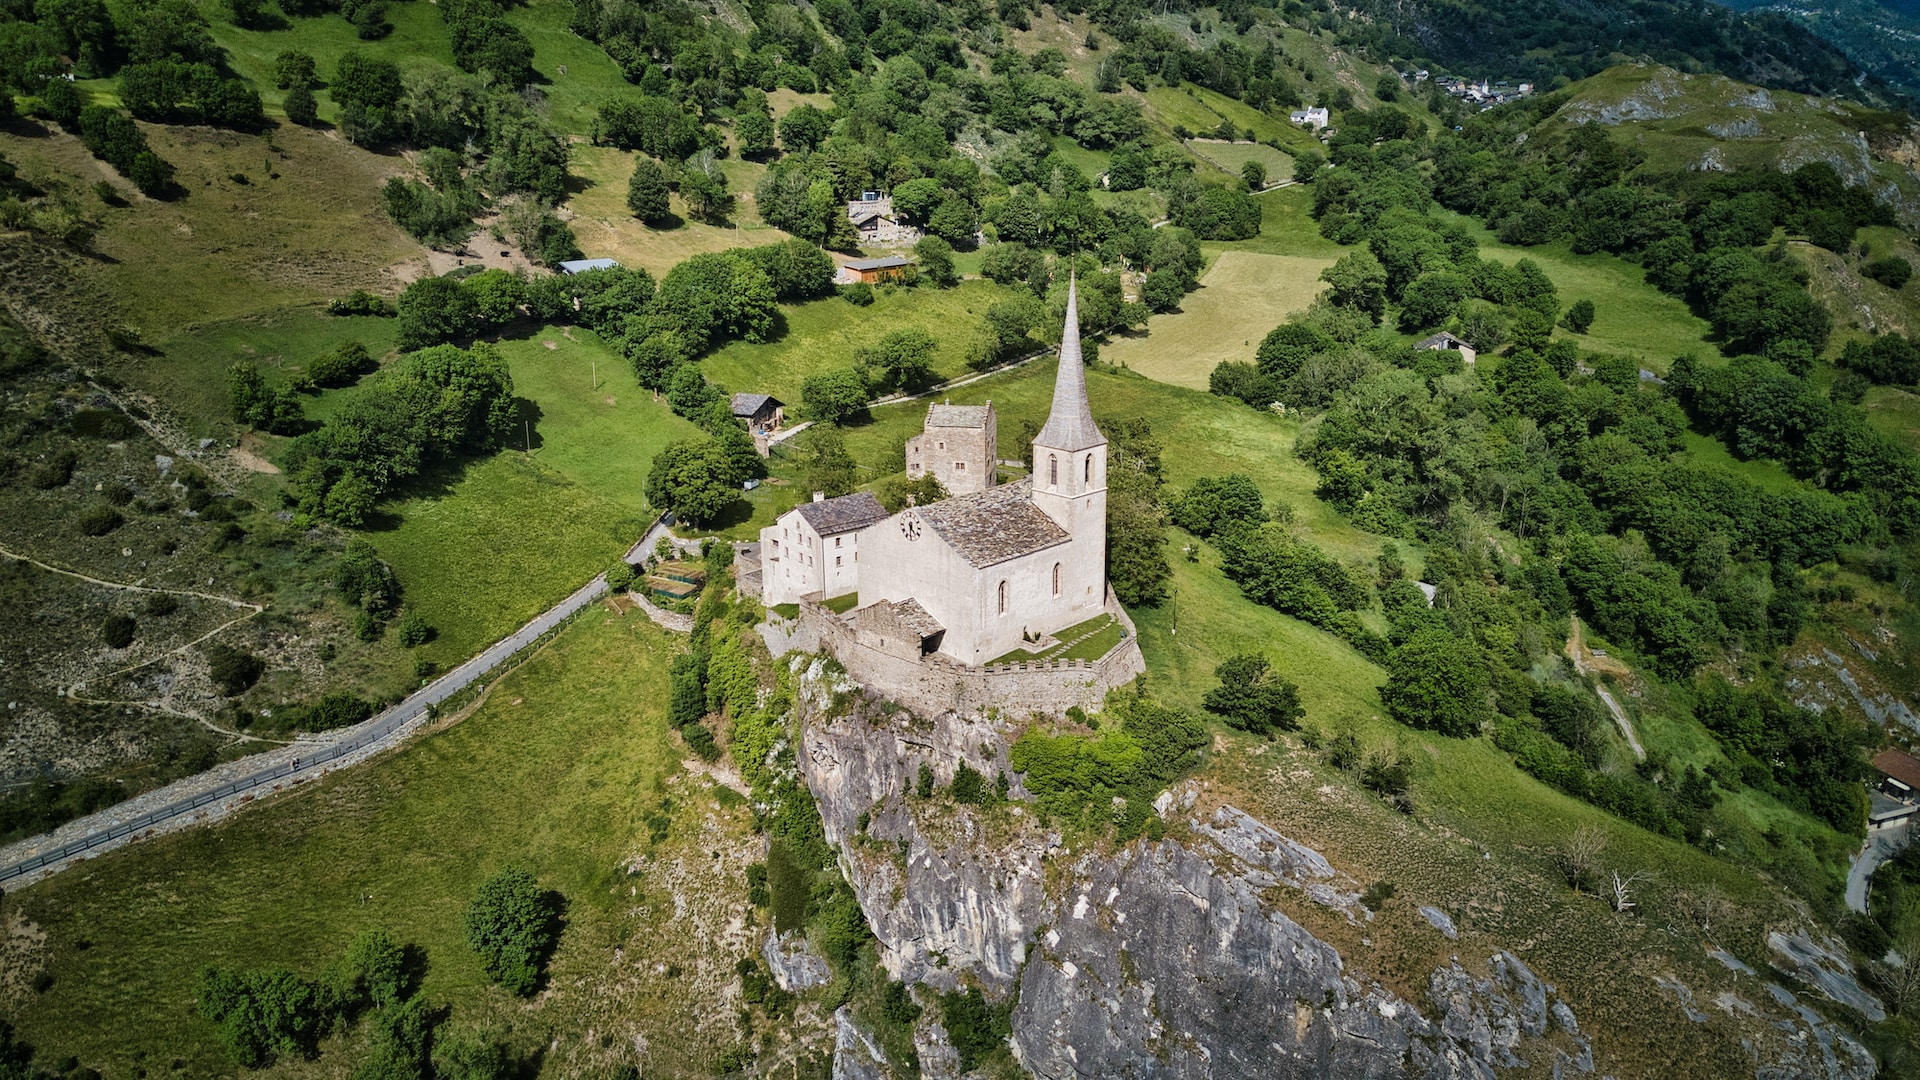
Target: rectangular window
{"x":836,"y":560}
{"x":836,"y":540}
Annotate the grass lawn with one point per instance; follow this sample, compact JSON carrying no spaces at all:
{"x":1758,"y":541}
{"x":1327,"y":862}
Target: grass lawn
{"x":1232,"y":157}
{"x":607,"y":229}
{"x":1286,"y":228}
{"x":420,"y":35}
{"x":824,"y":334}
{"x":1895,"y":413}
{"x":557,"y":772}
{"x":1630,"y":316}
{"x":1242,"y":296}
{"x":1089,"y":640}
{"x":1707,"y":450}
{"x":508,"y":536}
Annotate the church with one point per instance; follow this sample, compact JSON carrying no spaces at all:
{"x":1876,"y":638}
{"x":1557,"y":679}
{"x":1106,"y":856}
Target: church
{"x":992,"y":569}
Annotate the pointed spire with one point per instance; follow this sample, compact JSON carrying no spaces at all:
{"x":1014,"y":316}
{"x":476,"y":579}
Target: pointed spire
{"x":1070,"y":425}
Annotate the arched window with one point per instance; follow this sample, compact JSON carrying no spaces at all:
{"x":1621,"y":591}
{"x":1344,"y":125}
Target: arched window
{"x":1053,"y":470}
{"x":1056,"y":579}
{"x":1003,"y":598}
{"x":1089,"y":476}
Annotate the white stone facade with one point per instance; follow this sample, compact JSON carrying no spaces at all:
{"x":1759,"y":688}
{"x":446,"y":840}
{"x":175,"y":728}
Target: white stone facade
{"x":814,"y":549}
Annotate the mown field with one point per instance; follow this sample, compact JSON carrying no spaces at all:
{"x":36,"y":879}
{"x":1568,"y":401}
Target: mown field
{"x":558,"y":772}
{"x":1242,"y":296}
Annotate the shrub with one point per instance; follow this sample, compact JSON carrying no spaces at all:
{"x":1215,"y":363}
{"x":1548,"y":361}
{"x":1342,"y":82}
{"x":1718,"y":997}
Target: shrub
{"x":361,"y":302}
{"x":700,"y":741}
{"x":1252,"y":699}
{"x":1579,"y":317}
{"x":1214,"y":503}
{"x":924,"y":784}
{"x":162,"y":604}
{"x":859,"y":294}
{"x":969,"y":786}
{"x":117,"y":631}
{"x":341,"y":367}
{"x":1894,"y":272}
{"x":512,"y":925}
{"x":263,"y":1015}
{"x":414,"y":630}
{"x":233,"y":670}
{"x":977,"y":1028}
{"x":53,"y":472}
{"x":374,"y":970}
{"x":99,"y":519}
{"x":619,"y":577}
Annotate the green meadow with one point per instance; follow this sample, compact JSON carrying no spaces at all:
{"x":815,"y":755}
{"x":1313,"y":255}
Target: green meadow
{"x":558,"y":772}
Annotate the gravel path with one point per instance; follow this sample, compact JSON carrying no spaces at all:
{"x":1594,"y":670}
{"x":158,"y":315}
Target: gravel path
{"x":1880,"y":846}
{"x":219,"y":791}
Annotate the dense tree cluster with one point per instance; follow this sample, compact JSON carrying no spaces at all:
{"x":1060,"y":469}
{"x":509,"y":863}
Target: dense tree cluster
{"x":435,"y":405}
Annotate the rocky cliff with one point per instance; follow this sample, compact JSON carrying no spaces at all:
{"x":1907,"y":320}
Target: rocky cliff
{"x":1168,"y":958}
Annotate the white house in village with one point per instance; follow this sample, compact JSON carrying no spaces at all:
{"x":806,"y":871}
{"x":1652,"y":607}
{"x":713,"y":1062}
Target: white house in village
{"x":978,"y":575}
{"x":1315,"y":118}
{"x":814,"y":548}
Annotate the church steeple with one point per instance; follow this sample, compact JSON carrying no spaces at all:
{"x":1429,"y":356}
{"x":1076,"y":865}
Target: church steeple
{"x":1070,"y":425}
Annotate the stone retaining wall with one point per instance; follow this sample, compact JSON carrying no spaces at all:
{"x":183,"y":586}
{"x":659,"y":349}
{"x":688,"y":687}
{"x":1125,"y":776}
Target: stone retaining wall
{"x":935,"y":684}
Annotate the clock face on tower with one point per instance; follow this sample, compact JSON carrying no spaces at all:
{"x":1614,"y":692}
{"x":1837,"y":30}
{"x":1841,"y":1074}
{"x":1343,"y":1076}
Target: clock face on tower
{"x":910,"y":528}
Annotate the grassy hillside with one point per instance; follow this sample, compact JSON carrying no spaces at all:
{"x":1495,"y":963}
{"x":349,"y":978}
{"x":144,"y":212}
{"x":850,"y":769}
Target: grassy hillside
{"x":560,"y":771}
{"x":1241,"y":297}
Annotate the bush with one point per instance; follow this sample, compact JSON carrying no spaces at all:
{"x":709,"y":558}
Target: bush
{"x":619,"y":577}
{"x":99,"y":519}
{"x":117,"y":631}
{"x":374,"y":970}
{"x":264,"y":1015}
{"x":1214,"y":503}
{"x":976,"y":1028}
{"x":1893,"y":272}
{"x":414,"y":630}
{"x":859,"y":294}
{"x":361,"y":302}
{"x":1252,"y":699}
{"x":969,"y":786}
{"x":53,"y":472}
{"x":162,"y":604}
{"x":1579,"y":317}
{"x":300,"y":106}
{"x":233,"y":670}
{"x":512,"y":925}
{"x":700,"y":741}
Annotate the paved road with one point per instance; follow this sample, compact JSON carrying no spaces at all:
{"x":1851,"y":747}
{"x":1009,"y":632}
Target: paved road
{"x":315,"y":759}
{"x":1880,"y":846}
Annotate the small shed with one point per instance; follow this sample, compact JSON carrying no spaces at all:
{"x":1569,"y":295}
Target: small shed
{"x":581,"y":266}
{"x":872,"y":271}
{"x":762,"y":413}
{"x":1444,"y":340}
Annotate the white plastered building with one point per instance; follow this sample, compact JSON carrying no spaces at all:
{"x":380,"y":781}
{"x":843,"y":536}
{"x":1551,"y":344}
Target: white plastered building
{"x":814,"y":548}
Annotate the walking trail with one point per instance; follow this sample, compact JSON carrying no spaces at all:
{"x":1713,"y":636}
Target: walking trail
{"x":1583,"y":663}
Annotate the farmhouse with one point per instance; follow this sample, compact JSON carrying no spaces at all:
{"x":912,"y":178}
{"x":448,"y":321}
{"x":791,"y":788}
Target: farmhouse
{"x":1313,"y":118}
{"x":949,"y":594}
{"x":762,"y":413}
{"x":959,"y":447}
{"x":1444,"y":340}
{"x":872,"y":271}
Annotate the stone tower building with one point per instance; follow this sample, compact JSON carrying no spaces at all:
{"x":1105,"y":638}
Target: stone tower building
{"x":959,"y":446}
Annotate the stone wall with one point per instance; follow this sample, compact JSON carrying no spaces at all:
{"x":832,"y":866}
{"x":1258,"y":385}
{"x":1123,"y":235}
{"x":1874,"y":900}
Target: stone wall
{"x":934,"y":684}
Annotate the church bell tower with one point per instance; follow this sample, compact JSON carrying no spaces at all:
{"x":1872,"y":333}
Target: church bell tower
{"x":1070,"y":454}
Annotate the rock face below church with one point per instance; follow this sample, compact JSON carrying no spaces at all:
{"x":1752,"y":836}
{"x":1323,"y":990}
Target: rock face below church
{"x":1164,"y":959}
